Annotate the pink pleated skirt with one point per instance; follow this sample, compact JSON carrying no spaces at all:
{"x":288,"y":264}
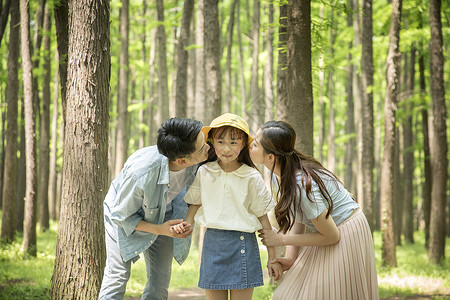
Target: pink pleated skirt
{"x":345,"y":270}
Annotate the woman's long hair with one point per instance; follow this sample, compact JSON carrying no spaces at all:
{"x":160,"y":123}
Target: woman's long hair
{"x":235,"y":133}
{"x":278,"y":138}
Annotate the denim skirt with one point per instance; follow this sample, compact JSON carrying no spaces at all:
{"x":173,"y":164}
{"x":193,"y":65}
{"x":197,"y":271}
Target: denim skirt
{"x":230,"y":261}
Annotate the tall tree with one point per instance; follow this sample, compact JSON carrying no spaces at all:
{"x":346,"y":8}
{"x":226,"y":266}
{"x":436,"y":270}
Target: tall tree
{"x":4,"y":12}
{"x":182,"y":64}
{"x":367,"y":161}
{"x":241,"y":67}
{"x":10,"y":175}
{"x":163,"y":89}
{"x":80,"y":249}
{"x":122,"y":100}
{"x":200,"y":75}
{"x":21,"y":172}
{"x":29,"y":238}
{"x":268,"y":79}
{"x":228,"y":94}
{"x":438,"y":137}
{"x":258,"y":106}
{"x":44,"y":140}
{"x":299,"y":104}
{"x":390,"y":107}
{"x":408,"y":154}
{"x":144,"y":82}
{"x":62,"y":36}
{"x":282,"y":63}
{"x":350,"y":122}
{"x":213,"y":99}
{"x":54,"y":152}
{"x":331,"y":118}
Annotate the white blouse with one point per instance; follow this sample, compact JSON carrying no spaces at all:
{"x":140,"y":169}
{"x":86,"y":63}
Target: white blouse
{"x":229,"y":201}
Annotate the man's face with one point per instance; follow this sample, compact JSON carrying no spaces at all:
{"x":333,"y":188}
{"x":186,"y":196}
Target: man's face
{"x":201,"y":151}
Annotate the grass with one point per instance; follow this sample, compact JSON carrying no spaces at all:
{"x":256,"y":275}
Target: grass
{"x":24,"y":277}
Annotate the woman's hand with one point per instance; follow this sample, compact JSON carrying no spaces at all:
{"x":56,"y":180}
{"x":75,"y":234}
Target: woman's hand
{"x":270,"y":237}
{"x":285,"y":262}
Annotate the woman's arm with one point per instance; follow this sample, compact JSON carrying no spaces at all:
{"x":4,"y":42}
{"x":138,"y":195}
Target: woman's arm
{"x":327,"y":234}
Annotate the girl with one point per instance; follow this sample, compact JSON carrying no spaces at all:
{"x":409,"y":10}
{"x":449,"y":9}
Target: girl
{"x":229,"y":197}
{"x":337,"y":260}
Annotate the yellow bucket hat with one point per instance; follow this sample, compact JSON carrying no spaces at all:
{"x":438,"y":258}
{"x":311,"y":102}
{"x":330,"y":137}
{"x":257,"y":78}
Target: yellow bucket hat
{"x":229,"y":119}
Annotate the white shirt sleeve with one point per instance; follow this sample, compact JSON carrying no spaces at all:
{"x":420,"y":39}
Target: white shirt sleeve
{"x":261,"y":200}
{"x":193,"y":195}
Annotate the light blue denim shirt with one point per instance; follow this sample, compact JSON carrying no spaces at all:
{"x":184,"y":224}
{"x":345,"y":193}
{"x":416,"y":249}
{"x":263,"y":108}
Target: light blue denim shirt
{"x":139,"y":193}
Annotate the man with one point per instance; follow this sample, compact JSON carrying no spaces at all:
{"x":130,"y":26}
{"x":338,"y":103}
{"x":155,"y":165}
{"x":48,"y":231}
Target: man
{"x":144,"y":201}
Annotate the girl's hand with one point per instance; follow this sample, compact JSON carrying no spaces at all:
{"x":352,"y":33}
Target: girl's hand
{"x":275,"y":270}
{"x":285,"y":262}
{"x":270,"y":237}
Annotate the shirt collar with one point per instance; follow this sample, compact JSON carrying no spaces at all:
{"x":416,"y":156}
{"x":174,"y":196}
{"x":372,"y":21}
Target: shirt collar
{"x":242,"y":171}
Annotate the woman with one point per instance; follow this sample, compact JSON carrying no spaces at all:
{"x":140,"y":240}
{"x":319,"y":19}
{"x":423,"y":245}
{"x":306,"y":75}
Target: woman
{"x":337,"y":258}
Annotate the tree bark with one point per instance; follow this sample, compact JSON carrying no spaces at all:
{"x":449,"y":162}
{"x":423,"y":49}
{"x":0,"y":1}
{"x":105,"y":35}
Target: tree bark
{"x":44,"y":140}
{"x":331,"y":122}
{"x":241,"y":68}
{"x":408,"y":155}
{"x":54,"y":152}
{"x":213,"y":100}
{"x":62,"y":36}
{"x":144,"y":82}
{"x":29,"y":238}
{"x":228,"y":94}
{"x":163,"y":89}
{"x":122,"y":100}
{"x":10,"y":173}
{"x":299,"y":79}
{"x":282,"y":64}
{"x":4,"y":12}
{"x":390,"y":107}
{"x":80,"y":249}
{"x":200,"y":75}
{"x":438,"y":138}
{"x":258,"y":106}
{"x":21,"y":172}
{"x":350,"y":123}
{"x":367,"y":161}
{"x":268,"y":79}
{"x":183,"y":58}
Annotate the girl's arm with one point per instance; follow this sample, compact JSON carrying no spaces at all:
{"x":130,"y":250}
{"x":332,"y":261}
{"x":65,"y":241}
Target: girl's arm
{"x":274,"y":268}
{"x":327,"y":234}
{"x":192,"y":210}
{"x":291,"y":251}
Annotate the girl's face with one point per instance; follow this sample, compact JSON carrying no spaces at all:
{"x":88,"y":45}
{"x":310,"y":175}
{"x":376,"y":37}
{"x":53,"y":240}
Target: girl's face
{"x":257,"y":153}
{"x":228,"y":148}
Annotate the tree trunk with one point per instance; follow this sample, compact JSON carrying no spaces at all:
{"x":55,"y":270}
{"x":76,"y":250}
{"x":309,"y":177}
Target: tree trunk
{"x":21,"y":172}
{"x":122,"y":100}
{"x":398,"y":191}
{"x":241,"y":68}
{"x":152,"y":119}
{"x":256,"y":99}
{"x":183,"y":58}
{"x":163,"y":89}
{"x":80,"y":249}
{"x":438,"y":138}
{"x":200,"y":79}
{"x":367,"y":162}
{"x":44,"y":140}
{"x":144,"y":82}
{"x":10,"y":173}
{"x":228,"y":94}
{"x":54,"y":151}
{"x":213,"y":100}
{"x":350,"y":123}
{"x":331,"y":123}
{"x":299,"y":85}
{"x":35,"y":57}
{"x":390,"y":103}
{"x":426,"y":153}
{"x":408,"y":155}
{"x":268,"y":79}
{"x":62,"y":36}
{"x":282,"y":64}
{"x":191,"y":73}
{"x":29,"y":238}
{"x":321,"y":71}
{"x":4,"y":12}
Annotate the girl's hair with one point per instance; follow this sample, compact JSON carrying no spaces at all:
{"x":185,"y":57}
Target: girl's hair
{"x":235,"y":133}
{"x":278,"y":138}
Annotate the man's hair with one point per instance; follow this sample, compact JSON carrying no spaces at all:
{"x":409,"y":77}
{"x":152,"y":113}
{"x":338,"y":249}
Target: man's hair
{"x":177,"y":137}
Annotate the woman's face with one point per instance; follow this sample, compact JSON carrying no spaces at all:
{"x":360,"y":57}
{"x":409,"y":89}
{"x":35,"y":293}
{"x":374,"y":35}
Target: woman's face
{"x":257,"y":153}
